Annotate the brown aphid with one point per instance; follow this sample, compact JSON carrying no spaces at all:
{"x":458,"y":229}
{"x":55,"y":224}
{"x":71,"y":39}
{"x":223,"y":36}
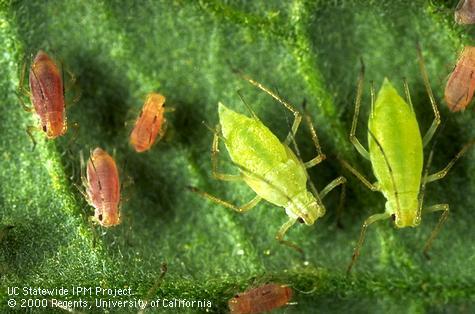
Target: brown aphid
{"x":461,"y":84}
{"x":150,"y":123}
{"x":260,"y":299}
{"x":465,"y":12}
{"x":103,"y":187}
{"x":47,"y":95}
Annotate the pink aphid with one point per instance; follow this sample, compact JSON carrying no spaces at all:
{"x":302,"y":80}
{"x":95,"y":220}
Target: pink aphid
{"x":461,"y":84}
{"x":103,"y":187}
{"x":149,"y":124}
{"x":260,"y":299}
{"x":47,"y":95}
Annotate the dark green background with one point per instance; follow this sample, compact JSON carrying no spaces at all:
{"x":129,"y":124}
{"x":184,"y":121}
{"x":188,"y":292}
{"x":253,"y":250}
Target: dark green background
{"x":120,"y":50}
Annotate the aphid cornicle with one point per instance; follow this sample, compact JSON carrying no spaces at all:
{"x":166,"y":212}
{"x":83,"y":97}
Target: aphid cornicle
{"x":47,"y":95}
{"x":461,"y":84}
{"x":103,"y":187}
{"x":465,"y":12}
{"x":150,"y":124}
{"x":396,"y":155}
{"x":260,"y":299}
{"x":268,"y":166}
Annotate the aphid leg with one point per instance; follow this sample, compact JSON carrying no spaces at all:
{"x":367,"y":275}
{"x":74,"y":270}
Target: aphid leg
{"x":70,"y":85}
{"x":22,"y":103}
{"x":281,"y":233}
{"x":83,"y":167}
{"x":330,"y":186}
{"x":320,"y":155}
{"x":214,"y":160}
{"x":353,"y":139}
{"x":435,"y":232}
{"x":22,"y":91}
{"x":241,"y":209}
{"x":83,"y":193}
{"x":358,"y":175}
{"x":153,"y":290}
{"x":29,"y":131}
{"x":293,"y":130}
{"x":367,"y":222}
{"x":442,"y":173}
{"x":425,"y":77}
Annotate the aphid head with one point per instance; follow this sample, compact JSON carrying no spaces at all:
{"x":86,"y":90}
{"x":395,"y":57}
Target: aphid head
{"x":41,"y":56}
{"x":305,"y":208}
{"x":405,"y":210}
{"x":54,"y":126}
{"x":108,"y":217}
{"x":407,"y":220}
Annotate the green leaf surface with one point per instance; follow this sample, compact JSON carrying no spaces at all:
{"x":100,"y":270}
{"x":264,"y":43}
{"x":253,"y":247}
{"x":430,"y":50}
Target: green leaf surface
{"x":119,"y":51}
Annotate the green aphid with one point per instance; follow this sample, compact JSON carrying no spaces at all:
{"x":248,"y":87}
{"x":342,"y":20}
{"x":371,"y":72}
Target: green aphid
{"x":268,"y":166}
{"x":396,"y":155}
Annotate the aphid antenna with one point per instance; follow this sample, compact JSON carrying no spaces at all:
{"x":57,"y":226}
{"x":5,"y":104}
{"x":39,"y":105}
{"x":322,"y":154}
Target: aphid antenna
{"x":274,"y":95}
{"x":239,"y":92}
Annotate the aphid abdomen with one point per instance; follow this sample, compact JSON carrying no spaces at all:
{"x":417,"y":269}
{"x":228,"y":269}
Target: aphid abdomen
{"x":280,"y":192}
{"x":104,"y":187}
{"x":271,"y":169}
{"x":394,"y":126}
{"x":148,"y":125}
{"x":250,"y":143}
{"x":46,"y":86}
{"x":461,"y":84}
{"x":261,"y":299}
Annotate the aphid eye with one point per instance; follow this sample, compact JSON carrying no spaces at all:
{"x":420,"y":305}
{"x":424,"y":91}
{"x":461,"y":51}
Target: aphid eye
{"x":301,"y":220}
{"x":100,"y":217}
{"x":44,"y":128}
{"x":393,"y":217}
